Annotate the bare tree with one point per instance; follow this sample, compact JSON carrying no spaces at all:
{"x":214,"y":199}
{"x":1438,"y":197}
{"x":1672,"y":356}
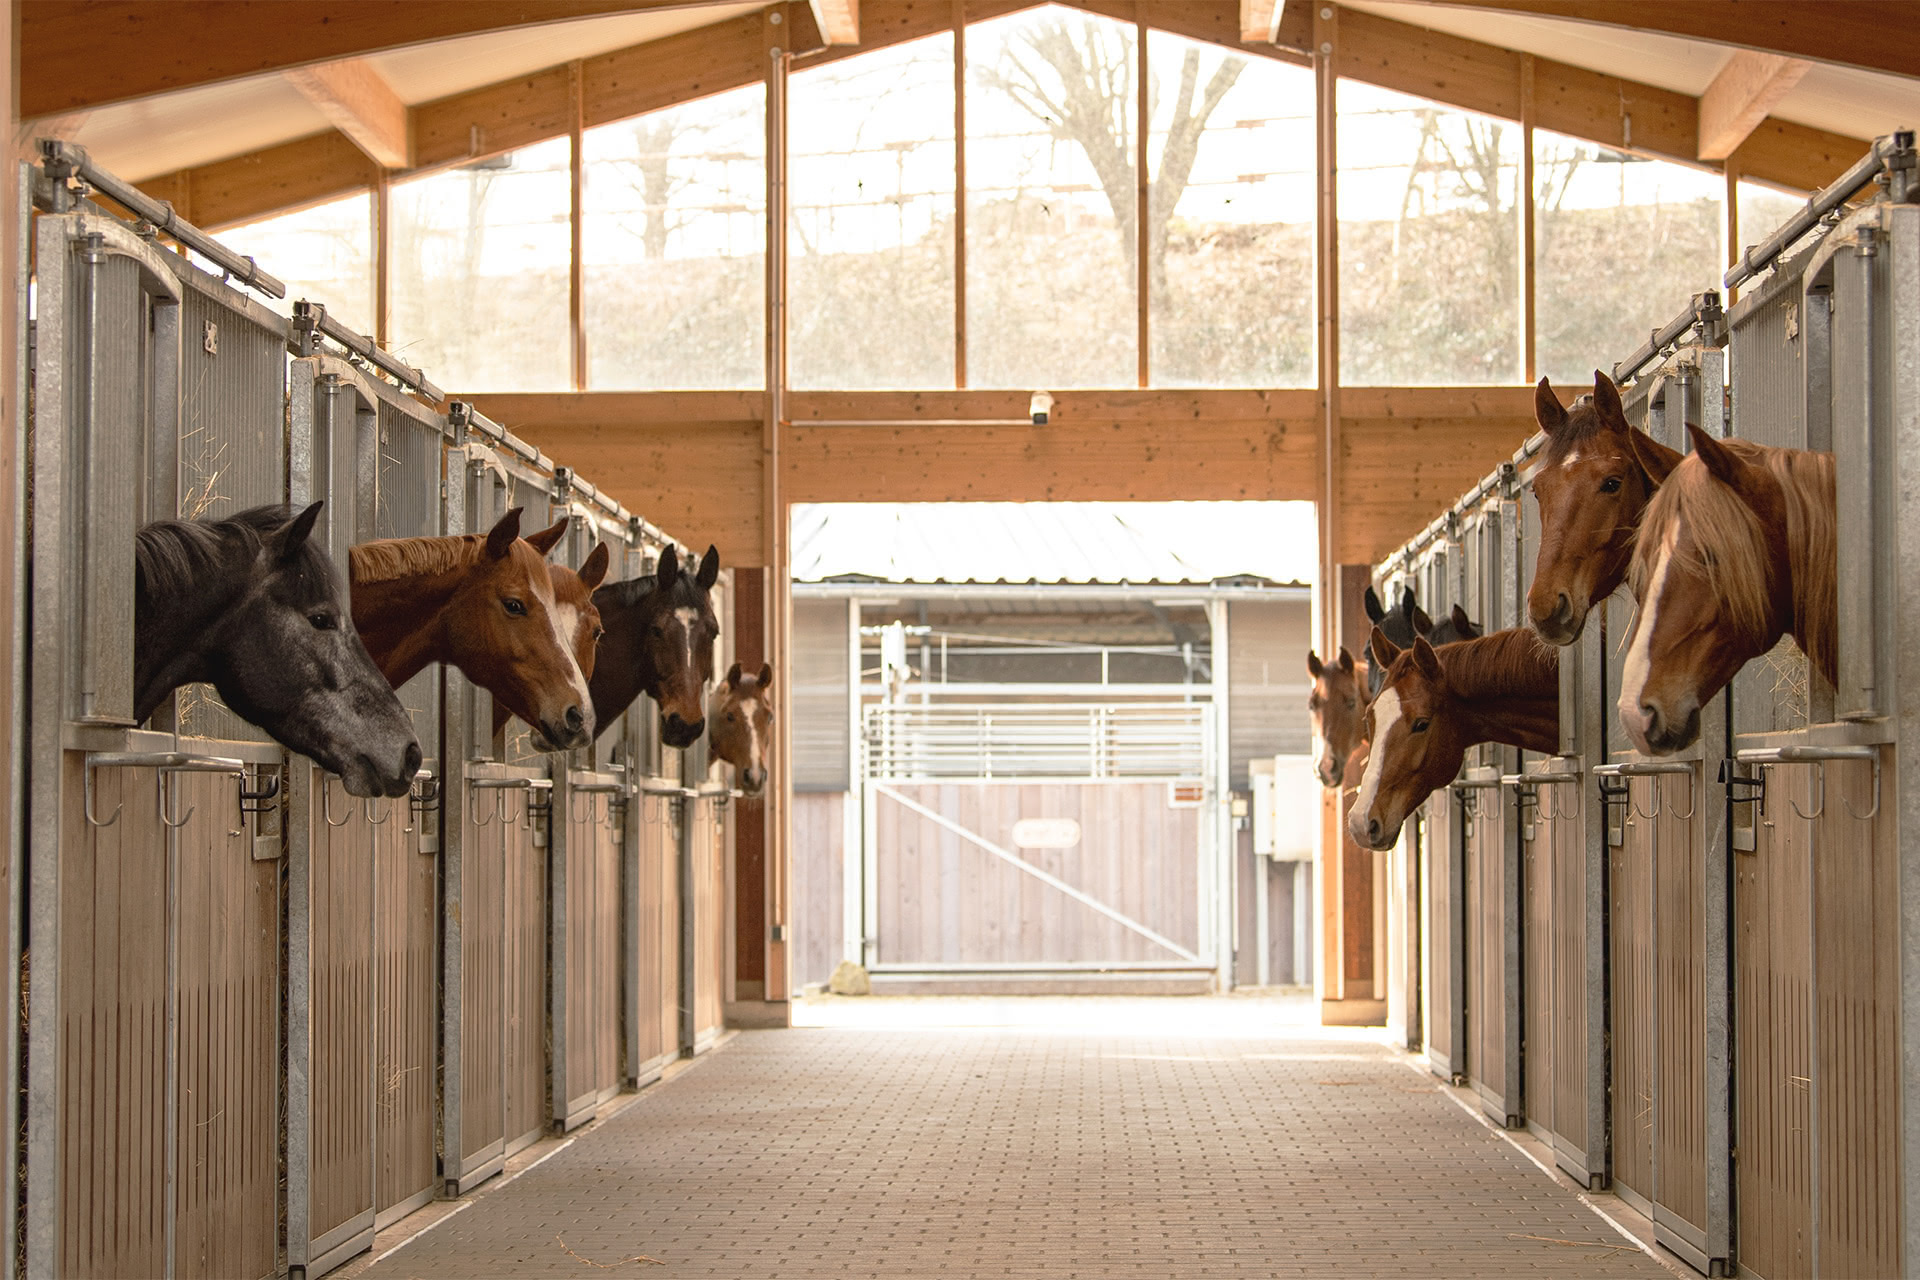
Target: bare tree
{"x":1077,"y":78}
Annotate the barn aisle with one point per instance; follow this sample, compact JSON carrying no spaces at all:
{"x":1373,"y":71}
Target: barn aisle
{"x":1223,"y":1139}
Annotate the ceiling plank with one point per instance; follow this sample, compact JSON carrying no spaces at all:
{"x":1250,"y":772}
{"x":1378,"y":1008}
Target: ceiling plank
{"x":1742,"y":95}
{"x":838,"y":20}
{"x":1795,"y":156}
{"x":1848,"y":33}
{"x":76,"y":54}
{"x":357,"y":102}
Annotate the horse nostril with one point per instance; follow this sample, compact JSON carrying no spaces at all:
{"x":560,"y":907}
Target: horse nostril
{"x":1564,"y":610}
{"x":1373,"y":830}
{"x":410,"y":763}
{"x":574,"y":720}
{"x":1650,"y":716}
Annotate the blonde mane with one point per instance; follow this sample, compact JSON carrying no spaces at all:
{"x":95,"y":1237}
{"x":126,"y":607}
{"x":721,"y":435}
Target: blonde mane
{"x":391,"y":559}
{"x":1731,"y":549}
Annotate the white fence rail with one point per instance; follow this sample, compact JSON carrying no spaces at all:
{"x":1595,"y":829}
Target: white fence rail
{"x":1130,"y":740}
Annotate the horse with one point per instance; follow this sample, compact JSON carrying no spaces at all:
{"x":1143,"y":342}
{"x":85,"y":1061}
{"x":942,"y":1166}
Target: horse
{"x":1335,"y":708}
{"x":1434,"y":705}
{"x":484,"y":604}
{"x":741,"y":712}
{"x":1406,"y":622}
{"x":250,"y":605}
{"x":659,"y":639}
{"x":579,"y":622}
{"x":1737,"y":548}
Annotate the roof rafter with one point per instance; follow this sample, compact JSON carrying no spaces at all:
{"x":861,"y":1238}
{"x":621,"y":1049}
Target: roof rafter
{"x":1741,"y":96}
{"x":1461,"y":73}
{"x":1848,"y":33}
{"x":838,"y":20}
{"x":76,"y":54}
{"x":361,"y":104}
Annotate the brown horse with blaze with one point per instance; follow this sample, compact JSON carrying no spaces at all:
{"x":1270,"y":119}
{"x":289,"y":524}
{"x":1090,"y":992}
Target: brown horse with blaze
{"x":579,"y":622}
{"x":740,"y":725}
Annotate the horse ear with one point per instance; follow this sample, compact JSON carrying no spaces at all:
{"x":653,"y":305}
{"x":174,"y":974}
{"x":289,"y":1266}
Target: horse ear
{"x":1655,"y":459}
{"x":1374,"y":611}
{"x":295,"y":535}
{"x":1422,"y":621}
{"x":549,"y":537}
{"x":1382,"y":650}
{"x":733,"y":676}
{"x":1425,"y":658}
{"x":1547,"y":409}
{"x":766,"y":676}
{"x":1315,"y":667}
{"x":505,"y":530}
{"x":1346,"y":660}
{"x":594,"y":571}
{"x":1606,"y":402}
{"x":1463,"y":625}
{"x":1407,"y":605}
{"x":709,"y":568}
{"x":668,"y":571}
{"x":1725,"y":465}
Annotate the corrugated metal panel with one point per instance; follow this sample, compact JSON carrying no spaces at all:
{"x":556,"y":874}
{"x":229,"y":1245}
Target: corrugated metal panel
{"x":1266,"y":683}
{"x":1680,"y":1089}
{"x":406,"y":959}
{"x":592,"y":932}
{"x":822,"y":760}
{"x":656,"y":1036}
{"x":1571,"y":980}
{"x":1631,"y":959}
{"x":1445,"y":932}
{"x":525,"y":1003}
{"x":1539,"y":925}
{"x":482,"y":984}
{"x":341,"y":1144}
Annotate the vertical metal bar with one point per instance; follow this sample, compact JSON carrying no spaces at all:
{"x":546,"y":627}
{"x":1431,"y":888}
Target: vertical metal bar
{"x":1860,"y":395}
{"x":959,"y":202}
{"x":17,"y":379}
{"x":853,"y":860}
{"x":1143,"y":197}
{"x":1326,"y":34}
{"x":382,"y":258}
{"x":170,"y":1072}
{"x":1218,"y":755}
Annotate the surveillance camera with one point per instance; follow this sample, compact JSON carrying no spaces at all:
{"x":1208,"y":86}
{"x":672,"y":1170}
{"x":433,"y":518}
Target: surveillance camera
{"x":1041,"y":406}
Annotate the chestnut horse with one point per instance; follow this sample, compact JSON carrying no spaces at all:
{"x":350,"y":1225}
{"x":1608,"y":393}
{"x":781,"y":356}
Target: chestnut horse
{"x":1738,"y":548}
{"x":483,"y":603}
{"x":1435,"y":704}
{"x":741,"y":713}
{"x":579,"y":622}
{"x":659,"y":639}
{"x":1335,"y":708}
{"x":251,"y":605}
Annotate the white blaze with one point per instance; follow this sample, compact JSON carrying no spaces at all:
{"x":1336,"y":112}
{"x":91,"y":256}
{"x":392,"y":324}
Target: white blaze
{"x":565,"y":620}
{"x":1633,"y":681}
{"x":688,"y":616}
{"x":1386,"y":714}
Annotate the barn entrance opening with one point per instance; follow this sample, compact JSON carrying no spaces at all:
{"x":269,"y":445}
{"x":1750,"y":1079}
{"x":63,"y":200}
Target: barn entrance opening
{"x":1025,"y":738}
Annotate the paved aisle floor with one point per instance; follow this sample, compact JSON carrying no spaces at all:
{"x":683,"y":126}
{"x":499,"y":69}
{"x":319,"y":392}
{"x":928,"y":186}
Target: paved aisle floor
{"x":1101,"y":1139}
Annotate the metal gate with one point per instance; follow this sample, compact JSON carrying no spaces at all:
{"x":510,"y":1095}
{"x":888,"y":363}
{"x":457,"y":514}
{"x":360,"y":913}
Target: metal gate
{"x":154,"y":930}
{"x":1021,"y":841}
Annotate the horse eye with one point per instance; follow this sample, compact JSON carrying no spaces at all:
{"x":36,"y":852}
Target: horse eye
{"x":598,"y":632}
{"x":1350,"y":704}
{"x":1420,"y":726}
{"x":514,"y":608}
{"x":323,"y":621}
{"x":1610,"y":485}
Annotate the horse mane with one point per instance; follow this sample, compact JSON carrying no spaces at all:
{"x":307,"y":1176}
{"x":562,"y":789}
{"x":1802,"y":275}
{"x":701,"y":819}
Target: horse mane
{"x":1729,"y":545}
{"x":174,"y":557}
{"x":1583,"y":424}
{"x":627,"y":594}
{"x":390,"y":559}
{"x":1514,"y":663}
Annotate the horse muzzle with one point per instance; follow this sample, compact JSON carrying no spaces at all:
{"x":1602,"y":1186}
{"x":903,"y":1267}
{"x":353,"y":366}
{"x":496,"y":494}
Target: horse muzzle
{"x":1562,"y":626}
{"x":574,"y":730}
{"x":753,"y":781}
{"x":367,"y":778}
{"x":678,"y":733}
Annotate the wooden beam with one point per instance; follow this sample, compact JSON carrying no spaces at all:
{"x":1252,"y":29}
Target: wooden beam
{"x":1524,"y":215}
{"x":1741,"y":97}
{"x":1849,"y":33}
{"x":1796,"y":156}
{"x":85,"y":53}
{"x":357,"y":102}
{"x":1259,"y":20}
{"x":838,"y":20}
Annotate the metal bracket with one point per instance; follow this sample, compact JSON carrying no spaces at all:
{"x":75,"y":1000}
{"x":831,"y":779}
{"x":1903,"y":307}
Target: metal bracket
{"x":1733,"y":781}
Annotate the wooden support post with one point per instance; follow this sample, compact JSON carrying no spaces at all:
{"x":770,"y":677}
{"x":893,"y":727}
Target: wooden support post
{"x":1523,"y":205}
{"x":1143,"y":198}
{"x":959,"y":193}
{"x":382,"y":229}
{"x":576,"y":263}
{"x":1327,"y":344}
{"x":779,"y":842}
{"x":1731,"y":219}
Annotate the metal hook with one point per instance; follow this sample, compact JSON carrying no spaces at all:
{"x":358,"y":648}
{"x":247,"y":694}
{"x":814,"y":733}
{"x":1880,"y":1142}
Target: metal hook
{"x":88,"y":807}
{"x":475,"y":810}
{"x":366,"y":811}
{"x":161,"y":787}
{"x":326,"y":805}
{"x":1693,"y":800}
{"x":1653,"y":789}
{"x":1869,"y":815}
{"x":1819,"y":777}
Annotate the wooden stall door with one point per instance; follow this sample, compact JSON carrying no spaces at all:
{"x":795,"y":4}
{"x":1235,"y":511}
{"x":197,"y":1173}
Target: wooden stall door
{"x":1539,"y":928}
{"x":593,"y":953}
{"x":1680,"y":996}
{"x":656,"y":974}
{"x":1571,"y":979}
{"x":526,"y":972}
{"x":407,"y":1012}
{"x":1630,"y":935}
{"x":710,"y":926}
{"x":483,"y":858}
{"x":1773,"y":1059}
{"x":341,"y":911}
{"x":1444,"y":936}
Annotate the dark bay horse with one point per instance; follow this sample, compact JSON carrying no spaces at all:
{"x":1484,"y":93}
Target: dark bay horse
{"x":740,"y":730}
{"x":251,"y":606}
{"x":579,"y":622}
{"x":659,"y":639}
{"x":484,"y":604}
{"x":1407,"y":621}
{"x":1736,"y":549}
{"x":1435,"y":704}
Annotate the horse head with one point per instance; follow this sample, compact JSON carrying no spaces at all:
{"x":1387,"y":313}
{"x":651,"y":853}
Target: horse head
{"x":1403,"y":624}
{"x":741,"y":715}
{"x":579,"y":620}
{"x":1594,"y":479}
{"x":508,"y":634}
{"x":1335,"y":707}
{"x":1416,"y":744}
{"x":251,"y":605}
{"x":659,"y":641}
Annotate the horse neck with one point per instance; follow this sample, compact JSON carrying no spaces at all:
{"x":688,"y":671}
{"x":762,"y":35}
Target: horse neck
{"x":403,"y":621}
{"x":1507,"y":688}
{"x":169,"y":630}
{"x":623,"y":670}
{"x":1812,"y":555}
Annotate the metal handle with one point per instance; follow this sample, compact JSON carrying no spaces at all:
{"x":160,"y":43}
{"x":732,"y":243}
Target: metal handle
{"x":1817,"y":780}
{"x":1529,"y":779}
{"x":1642,"y":768}
{"x":164,"y":763}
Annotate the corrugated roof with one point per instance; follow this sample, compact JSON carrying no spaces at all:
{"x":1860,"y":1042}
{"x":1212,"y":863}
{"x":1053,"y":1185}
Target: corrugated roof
{"x":1054,"y":542}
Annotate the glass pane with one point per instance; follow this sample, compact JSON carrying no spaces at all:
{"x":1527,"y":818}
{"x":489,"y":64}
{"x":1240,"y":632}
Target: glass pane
{"x":674,"y":238}
{"x":480,"y":257}
{"x":1051,"y":107}
{"x":1230,"y":218}
{"x":1620,"y":244}
{"x":870,"y":276}
{"x":1429,"y":270}
{"x":1763,"y":211}
{"x":324,"y":253}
